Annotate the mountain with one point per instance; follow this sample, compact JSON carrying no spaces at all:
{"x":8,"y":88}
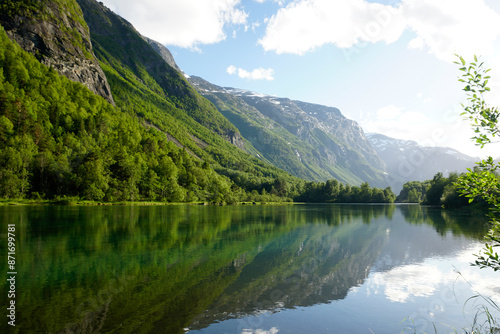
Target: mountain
{"x":408,"y":161}
{"x":308,"y":140}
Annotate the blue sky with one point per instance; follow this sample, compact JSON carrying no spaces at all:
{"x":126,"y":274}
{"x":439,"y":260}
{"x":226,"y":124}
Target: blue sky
{"x":386,"y":64}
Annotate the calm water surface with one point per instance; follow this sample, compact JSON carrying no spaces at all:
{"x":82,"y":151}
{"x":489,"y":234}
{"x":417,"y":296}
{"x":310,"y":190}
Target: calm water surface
{"x":244,"y":269}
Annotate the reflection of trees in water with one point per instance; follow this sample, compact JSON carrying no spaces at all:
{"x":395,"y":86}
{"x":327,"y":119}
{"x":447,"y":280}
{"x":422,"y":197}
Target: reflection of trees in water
{"x":311,"y":265}
{"x":162,"y":268}
{"x":458,"y":221}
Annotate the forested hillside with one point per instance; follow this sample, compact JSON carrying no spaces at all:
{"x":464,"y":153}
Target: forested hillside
{"x":58,"y":138}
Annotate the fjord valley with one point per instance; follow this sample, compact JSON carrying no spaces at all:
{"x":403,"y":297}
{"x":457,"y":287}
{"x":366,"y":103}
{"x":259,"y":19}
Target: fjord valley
{"x":99,"y":123}
{"x":155,"y":135}
{"x":93,"y":110}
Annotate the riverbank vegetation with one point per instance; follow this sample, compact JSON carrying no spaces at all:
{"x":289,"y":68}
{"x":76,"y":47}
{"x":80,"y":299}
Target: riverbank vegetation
{"x":441,"y":191}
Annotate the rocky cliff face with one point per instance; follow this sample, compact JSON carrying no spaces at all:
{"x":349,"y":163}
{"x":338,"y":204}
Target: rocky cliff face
{"x":311,"y":141}
{"x":56,"y":33}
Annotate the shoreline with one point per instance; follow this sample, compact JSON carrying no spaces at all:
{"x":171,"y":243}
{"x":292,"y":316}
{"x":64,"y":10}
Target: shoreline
{"x":64,"y":202}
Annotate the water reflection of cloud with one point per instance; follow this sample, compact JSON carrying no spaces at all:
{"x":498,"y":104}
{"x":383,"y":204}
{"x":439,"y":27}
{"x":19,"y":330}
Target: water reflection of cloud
{"x":401,"y":284}
{"x":273,"y":330}
{"x":404,"y":283}
{"x":483,"y":281}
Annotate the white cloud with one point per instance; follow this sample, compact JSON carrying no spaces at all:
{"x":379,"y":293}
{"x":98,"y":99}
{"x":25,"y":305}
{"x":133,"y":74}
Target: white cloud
{"x":412,"y":117}
{"x":450,"y":130}
{"x":257,"y":74}
{"x":424,"y":99}
{"x":185,"y":23}
{"x":396,"y":122}
{"x":255,"y":25}
{"x":279,"y":2}
{"x":232,"y":69}
{"x":442,"y":28}
{"x":402,"y":284}
{"x":307,"y":24}
{"x":452,"y":26}
{"x":391,"y":115}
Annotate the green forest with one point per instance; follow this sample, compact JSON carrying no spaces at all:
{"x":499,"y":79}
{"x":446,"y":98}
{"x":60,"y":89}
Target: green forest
{"x":441,"y":190}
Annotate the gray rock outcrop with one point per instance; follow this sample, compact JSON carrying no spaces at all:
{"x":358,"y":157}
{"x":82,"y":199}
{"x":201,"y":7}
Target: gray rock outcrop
{"x":59,"y":37}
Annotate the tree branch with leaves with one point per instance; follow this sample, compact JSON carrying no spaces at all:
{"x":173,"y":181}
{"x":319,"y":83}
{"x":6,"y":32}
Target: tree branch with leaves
{"x":483,"y":181}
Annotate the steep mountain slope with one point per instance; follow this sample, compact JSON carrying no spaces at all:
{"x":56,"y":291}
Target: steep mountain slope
{"x":407,"y":161}
{"x":144,"y":84}
{"x":56,"y":33}
{"x":308,"y":140}
{"x":163,"y":51}
{"x":119,"y":45}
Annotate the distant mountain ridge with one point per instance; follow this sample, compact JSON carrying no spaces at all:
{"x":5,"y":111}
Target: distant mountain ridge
{"x":308,"y":140}
{"x":408,"y":161}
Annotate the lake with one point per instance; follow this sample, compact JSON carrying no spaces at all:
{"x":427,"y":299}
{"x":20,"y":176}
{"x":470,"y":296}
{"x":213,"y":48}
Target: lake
{"x":261,"y":269}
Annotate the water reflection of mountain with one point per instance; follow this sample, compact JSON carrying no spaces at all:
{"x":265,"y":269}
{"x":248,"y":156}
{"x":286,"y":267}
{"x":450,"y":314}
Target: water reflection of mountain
{"x":313,"y":264}
{"x":332,"y":260}
{"x":162,"y":269}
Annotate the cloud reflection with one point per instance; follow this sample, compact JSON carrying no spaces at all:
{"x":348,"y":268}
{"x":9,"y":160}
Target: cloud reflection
{"x":405,"y":283}
{"x":401,"y":284}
